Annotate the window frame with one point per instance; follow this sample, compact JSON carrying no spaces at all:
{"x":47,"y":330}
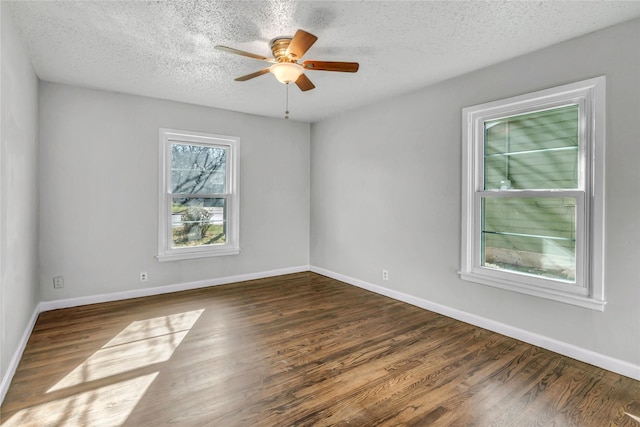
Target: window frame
{"x":588,"y":290}
{"x":165,"y":197}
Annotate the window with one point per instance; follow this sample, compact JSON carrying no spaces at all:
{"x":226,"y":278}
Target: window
{"x":533,"y":193}
{"x":198,"y":201}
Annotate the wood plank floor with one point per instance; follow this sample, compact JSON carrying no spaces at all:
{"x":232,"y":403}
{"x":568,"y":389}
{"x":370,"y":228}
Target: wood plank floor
{"x":297,"y":350}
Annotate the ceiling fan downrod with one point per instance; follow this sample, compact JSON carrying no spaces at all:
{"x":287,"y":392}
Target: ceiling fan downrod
{"x":286,"y":111}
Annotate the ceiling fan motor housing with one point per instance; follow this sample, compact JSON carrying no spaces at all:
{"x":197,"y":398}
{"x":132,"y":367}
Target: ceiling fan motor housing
{"x":279,"y":47}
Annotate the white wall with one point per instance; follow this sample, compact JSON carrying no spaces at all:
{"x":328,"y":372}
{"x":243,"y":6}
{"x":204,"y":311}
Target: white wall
{"x":386,"y":192}
{"x":18,"y":192}
{"x":99,"y":189}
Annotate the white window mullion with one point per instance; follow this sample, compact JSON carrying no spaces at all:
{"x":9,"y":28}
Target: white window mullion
{"x":477,"y":239}
{"x":582,"y":243}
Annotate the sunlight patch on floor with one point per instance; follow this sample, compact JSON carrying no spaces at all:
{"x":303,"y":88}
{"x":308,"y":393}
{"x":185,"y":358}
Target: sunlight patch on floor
{"x":105,"y":406}
{"x":633,"y":417}
{"x":158,"y":326}
{"x":142,"y":343}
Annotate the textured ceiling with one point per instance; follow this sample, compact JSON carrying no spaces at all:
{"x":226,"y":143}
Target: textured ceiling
{"x":164,"y":49}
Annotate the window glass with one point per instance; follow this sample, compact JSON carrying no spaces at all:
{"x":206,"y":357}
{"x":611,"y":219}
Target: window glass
{"x":532,"y":151}
{"x":198,"y":169}
{"x":534,"y":236}
{"x":198,"y":221}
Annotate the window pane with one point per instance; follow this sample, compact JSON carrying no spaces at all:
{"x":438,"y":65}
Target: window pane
{"x":198,"y":169}
{"x":198,"y":222}
{"x":530,"y":235}
{"x":532,"y":151}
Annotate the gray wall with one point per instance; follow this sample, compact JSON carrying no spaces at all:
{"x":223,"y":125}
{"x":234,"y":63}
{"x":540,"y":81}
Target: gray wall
{"x":384,"y":185}
{"x":99,"y":191}
{"x":18,"y":192}
{"x":386,"y":190}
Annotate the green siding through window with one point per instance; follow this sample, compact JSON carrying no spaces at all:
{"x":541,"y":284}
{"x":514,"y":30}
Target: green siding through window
{"x":530,"y":224}
{"x":533,"y":151}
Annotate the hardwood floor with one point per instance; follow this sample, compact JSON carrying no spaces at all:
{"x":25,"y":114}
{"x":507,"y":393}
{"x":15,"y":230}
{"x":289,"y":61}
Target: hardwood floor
{"x":297,"y":350}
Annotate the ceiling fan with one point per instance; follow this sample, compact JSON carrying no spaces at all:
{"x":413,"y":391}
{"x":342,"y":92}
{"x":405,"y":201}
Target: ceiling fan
{"x":287,"y":51}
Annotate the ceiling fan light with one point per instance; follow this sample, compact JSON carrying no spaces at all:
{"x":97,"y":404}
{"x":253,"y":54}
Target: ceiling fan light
{"x":286,"y":72}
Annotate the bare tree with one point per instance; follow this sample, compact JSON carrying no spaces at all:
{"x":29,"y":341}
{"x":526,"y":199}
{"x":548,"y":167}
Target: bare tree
{"x":196,"y":169}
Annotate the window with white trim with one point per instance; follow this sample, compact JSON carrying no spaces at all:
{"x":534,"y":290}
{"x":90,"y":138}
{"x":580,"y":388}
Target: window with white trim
{"x":533,"y":193}
{"x":198,"y":200}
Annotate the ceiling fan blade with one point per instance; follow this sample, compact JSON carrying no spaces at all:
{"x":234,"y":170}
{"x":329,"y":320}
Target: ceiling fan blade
{"x":252,"y":75}
{"x":304,"y":83}
{"x":346,"y":67}
{"x":300,"y":43}
{"x":243,"y":53}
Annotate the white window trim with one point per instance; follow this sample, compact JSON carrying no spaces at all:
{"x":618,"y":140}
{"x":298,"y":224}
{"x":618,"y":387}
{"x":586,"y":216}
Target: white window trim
{"x":232,"y":245}
{"x":588,"y":291}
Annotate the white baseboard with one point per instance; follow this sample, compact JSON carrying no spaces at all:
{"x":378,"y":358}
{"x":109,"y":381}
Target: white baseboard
{"x":118,"y":296}
{"x":584,"y":355}
{"x":17,"y":355}
{"x":137,"y":293}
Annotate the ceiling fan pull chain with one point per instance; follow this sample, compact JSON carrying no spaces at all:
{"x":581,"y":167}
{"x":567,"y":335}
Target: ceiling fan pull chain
{"x":286,"y":112}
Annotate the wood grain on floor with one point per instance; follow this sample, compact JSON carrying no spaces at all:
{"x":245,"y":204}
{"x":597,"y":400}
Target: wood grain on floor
{"x":297,"y":350}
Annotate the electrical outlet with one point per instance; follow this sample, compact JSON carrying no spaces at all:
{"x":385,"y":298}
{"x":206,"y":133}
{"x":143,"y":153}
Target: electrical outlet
{"x":385,"y":274}
{"x":58,"y":282}
{"x":143,"y":277}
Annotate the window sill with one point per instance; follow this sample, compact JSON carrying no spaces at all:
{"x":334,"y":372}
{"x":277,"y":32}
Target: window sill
{"x":195,"y":255}
{"x":563,"y":297}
